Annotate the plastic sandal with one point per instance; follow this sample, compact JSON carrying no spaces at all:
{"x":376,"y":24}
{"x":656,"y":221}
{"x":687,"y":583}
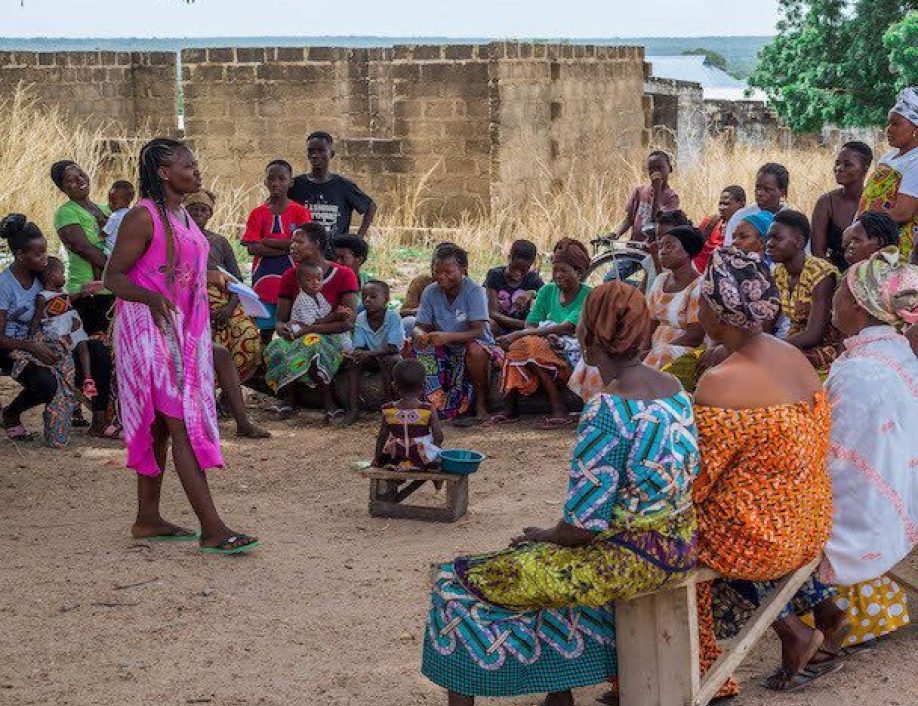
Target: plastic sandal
{"x":236,"y":544}
{"x":18,"y":433}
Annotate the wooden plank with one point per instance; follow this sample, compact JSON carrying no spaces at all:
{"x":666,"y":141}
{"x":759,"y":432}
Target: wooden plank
{"x":381,"y":508}
{"x":658,"y":651}
{"x":383,"y":474}
{"x":760,"y":621}
{"x":406,"y":491}
{"x":635,"y":644}
{"x":457,"y":497}
{"x":677,"y":645}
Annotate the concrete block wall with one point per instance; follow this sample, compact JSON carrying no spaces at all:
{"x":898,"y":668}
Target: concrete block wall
{"x":679,"y":120}
{"x":136,"y":90}
{"x":473,"y":124}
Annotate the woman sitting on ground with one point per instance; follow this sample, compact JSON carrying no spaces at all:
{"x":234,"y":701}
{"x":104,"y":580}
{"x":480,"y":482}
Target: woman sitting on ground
{"x":763,"y":497}
{"x":835,"y":210}
{"x":231,"y":327}
{"x":543,"y":354}
{"x":312,"y":354}
{"x":452,"y":338}
{"x":806,"y":283}
{"x":751,"y":234}
{"x":874,"y":484}
{"x":732,"y":199}
{"x":673,"y":298}
{"x":45,"y":368}
{"x":869,"y":234}
{"x":535,"y":617}
{"x":771,"y":184}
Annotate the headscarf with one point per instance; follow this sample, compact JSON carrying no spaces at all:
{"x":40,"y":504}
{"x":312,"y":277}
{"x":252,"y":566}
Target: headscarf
{"x":885,"y":288}
{"x":58,"y":169}
{"x":761,"y":221}
{"x":907,"y":105}
{"x":615,"y":317}
{"x":740,"y":288}
{"x":203,"y":197}
{"x":572,"y":252}
{"x":690,"y":238}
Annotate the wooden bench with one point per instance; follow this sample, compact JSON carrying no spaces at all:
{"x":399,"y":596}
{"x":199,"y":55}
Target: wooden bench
{"x":383,"y":504}
{"x":657,"y":639}
{"x":657,"y":646}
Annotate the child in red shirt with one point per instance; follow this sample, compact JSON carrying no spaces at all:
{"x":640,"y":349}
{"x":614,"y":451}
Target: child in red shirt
{"x":267,"y":238}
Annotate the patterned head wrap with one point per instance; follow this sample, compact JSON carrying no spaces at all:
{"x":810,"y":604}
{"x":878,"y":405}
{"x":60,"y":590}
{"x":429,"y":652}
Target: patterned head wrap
{"x":615,"y":317}
{"x":740,"y":288}
{"x":203,"y":197}
{"x":761,"y":221}
{"x":58,"y":169}
{"x":907,"y":105}
{"x":572,"y":252}
{"x":885,"y":288}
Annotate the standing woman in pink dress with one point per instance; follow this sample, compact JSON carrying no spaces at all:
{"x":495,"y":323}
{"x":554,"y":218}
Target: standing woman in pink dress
{"x":163,"y":350}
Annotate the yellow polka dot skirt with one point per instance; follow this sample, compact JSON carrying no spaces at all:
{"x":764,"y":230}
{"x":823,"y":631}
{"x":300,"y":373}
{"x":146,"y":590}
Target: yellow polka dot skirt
{"x":875,"y":608}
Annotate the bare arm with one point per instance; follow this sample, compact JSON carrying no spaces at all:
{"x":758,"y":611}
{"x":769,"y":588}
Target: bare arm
{"x":820,"y":313}
{"x":381,"y":438}
{"x":819,"y":240}
{"x":333,"y":323}
{"x":436,"y":430}
{"x":905,"y":209}
{"x":693,"y":336}
{"x":507,"y":322}
{"x":134,"y":237}
{"x":367,"y":220}
{"x":262,"y":250}
{"x":40,"y":305}
{"x":75,"y":240}
{"x":562,"y":533}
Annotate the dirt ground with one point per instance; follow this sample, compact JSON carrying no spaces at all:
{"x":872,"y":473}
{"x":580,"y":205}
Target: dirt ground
{"x":328,"y":612}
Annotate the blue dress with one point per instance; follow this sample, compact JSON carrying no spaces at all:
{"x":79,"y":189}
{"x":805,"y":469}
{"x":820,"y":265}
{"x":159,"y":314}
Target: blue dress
{"x":533,"y":619}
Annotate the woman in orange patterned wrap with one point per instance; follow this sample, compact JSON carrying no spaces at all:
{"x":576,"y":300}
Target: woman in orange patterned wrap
{"x":763,"y":497}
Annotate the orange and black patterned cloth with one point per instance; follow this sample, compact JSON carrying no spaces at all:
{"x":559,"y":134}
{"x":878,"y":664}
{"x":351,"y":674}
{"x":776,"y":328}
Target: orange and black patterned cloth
{"x":764,"y":494}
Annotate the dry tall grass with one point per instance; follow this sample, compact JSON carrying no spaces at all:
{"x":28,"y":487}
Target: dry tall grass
{"x":588,"y":200}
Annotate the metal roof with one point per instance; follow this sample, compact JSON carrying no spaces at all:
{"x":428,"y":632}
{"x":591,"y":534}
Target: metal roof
{"x":715,"y":83}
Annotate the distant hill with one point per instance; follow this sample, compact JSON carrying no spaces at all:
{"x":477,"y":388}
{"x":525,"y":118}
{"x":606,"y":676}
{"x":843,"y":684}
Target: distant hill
{"x":741,"y":53}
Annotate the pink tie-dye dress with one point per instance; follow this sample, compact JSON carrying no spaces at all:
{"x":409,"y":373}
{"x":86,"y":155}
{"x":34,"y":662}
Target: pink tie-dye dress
{"x":171,"y":372}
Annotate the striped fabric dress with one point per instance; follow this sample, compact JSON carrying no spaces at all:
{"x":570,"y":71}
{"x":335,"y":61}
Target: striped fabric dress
{"x":533,"y":619}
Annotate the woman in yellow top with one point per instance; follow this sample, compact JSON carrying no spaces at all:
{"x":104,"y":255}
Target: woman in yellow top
{"x":806,"y":284}
{"x":893,"y":186}
{"x":763,"y":496}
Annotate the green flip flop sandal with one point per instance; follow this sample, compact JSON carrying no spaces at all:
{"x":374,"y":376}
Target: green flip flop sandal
{"x":236,"y":544}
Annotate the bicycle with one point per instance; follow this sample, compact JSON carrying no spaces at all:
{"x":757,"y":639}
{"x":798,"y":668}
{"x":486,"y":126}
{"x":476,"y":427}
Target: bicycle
{"x":627,"y":260}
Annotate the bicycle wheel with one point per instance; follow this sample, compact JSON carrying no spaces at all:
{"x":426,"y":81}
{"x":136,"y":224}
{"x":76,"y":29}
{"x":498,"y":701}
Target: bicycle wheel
{"x":630,"y":265}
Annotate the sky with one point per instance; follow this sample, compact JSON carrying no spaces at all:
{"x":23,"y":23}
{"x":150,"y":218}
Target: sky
{"x":393,"y":18}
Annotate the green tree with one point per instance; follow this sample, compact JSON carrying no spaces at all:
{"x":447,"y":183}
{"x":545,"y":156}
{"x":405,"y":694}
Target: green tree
{"x":714,"y":58}
{"x":829,"y":64}
{"x":901,"y":40}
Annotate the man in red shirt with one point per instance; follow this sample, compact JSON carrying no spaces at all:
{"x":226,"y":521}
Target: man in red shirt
{"x":267,"y":238}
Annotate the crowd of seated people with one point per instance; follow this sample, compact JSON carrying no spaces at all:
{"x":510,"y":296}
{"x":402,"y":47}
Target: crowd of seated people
{"x":772,"y":320}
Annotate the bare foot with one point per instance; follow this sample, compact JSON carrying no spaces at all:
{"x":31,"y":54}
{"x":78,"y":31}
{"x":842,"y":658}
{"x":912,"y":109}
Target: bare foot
{"x":797,"y":651}
{"x":160,"y":529}
{"x":251,"y":431}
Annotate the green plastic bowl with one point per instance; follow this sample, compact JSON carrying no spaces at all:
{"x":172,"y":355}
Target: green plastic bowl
{"x":462,"y":462}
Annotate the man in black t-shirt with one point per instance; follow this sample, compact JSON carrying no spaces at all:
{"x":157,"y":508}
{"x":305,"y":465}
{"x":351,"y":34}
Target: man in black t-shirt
{"x":330,"y":197}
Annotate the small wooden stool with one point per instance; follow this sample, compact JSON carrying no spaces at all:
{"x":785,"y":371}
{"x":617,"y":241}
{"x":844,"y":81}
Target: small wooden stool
{"x":457,"y":495}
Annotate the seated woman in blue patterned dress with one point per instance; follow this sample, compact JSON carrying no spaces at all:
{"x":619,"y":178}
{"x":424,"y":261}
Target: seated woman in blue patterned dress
{"x":534,"y":618}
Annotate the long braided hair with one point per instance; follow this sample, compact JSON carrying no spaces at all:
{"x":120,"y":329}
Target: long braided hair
{"x":153,"y":155}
